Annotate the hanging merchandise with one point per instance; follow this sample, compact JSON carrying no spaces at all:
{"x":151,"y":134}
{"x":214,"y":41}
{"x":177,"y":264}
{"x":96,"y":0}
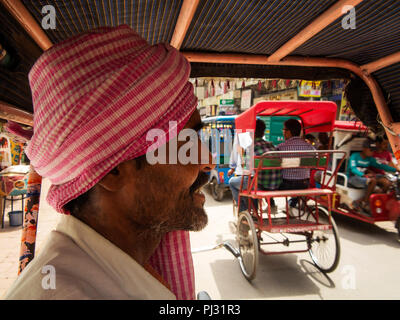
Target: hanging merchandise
{"x":281,"y":84}
{"x":259,"y":86}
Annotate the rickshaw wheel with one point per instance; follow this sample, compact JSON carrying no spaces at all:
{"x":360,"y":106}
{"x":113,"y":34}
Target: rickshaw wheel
{"x":248,"y":245}
{"x":216,"y":191}
{"x":324,"y":245}
{"x":235,"y":209}
{"x":397,"y":225}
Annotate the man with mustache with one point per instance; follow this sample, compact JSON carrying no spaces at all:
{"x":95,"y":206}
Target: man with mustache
{"x":124,"y":234}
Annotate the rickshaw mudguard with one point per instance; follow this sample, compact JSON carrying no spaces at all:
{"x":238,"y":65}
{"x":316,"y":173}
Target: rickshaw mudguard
{"x":391,"y":205}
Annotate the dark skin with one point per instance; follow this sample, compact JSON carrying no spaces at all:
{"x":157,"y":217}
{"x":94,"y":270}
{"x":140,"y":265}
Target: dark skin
{"x":383,"y":146}
{"x":373,"y":180}
{"x":135,"y":207}
{"x":286,"y":133}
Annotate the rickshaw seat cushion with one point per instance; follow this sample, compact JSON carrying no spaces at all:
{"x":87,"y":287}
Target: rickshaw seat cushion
{"x":349,"y":185}
{"x":313,"y":162}
{"x":268,"y":162}
{"x":305,"y":162}
{"x":288,"y":193}
{"x":354,"y":187}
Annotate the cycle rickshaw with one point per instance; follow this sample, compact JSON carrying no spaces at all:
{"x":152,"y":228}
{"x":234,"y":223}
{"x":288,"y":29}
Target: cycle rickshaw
{"x":312,"y":225}
{"x":348,"y":137}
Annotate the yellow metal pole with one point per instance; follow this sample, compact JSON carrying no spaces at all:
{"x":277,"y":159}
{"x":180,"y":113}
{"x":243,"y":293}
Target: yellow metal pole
{"x":31,"y":207}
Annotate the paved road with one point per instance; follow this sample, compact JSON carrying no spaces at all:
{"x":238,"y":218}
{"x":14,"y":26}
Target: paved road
{"x":369,"y":267}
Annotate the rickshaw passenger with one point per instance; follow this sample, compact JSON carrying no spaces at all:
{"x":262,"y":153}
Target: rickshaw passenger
{"x":294,"y":178}
{"x":360,"y":177}
{"x":382,"y":155}
{"x":309,"y":138}
{"x":124,"y":234}
{"x":323,"y":141}
{"x":323,"y":144}
{"x":267,"y":179}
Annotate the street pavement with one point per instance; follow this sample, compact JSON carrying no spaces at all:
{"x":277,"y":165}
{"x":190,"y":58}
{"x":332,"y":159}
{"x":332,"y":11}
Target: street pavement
{"x":368,"y":269}
{"x":10,"y":240}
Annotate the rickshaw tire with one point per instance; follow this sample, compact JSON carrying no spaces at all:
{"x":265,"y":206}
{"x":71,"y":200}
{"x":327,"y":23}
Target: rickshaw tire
{"x":249,"y":275}
{"x":235,"y":209}
{"x":216,"y":191}
{"x":337,"y":243}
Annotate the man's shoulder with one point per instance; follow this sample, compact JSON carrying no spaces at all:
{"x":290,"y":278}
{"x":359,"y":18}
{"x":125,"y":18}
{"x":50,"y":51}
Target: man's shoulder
{"x":295,"y":142}
{"x":265,"y":143}
{"x":355,"y":156}
{"x":61,"y":270}
{"x":384,"y":154}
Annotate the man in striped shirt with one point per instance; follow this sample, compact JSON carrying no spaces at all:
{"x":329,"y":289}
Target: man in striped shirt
{"x":294,"y":178}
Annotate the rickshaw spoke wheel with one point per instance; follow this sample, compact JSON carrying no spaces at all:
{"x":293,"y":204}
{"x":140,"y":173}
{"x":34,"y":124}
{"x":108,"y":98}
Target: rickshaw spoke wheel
{"x":248,"y":245}
{"x":235,"y":209}
{"x":217,"y":191}
{"x":324,"y":245}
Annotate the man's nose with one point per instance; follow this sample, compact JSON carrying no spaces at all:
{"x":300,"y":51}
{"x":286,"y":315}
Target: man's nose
{"x":207,"y":162}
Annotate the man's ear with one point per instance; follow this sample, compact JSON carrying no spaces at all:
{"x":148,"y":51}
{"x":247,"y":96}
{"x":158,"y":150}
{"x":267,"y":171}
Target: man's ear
{"x":115,"y":179}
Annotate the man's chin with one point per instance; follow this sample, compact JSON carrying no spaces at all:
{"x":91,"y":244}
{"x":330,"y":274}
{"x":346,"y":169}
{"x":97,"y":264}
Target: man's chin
{"x":197,"y":220}
{"x":200,"y":224}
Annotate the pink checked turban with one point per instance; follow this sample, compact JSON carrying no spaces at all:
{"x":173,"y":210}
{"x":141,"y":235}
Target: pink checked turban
{"x":95,"y":96}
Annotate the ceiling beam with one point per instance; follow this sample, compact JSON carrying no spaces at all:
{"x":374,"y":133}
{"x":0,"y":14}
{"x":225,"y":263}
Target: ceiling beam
{"x":25,"y":19}
{"x":321,"y":22}
{"x":185,"y":18}
{"x":12,"y":113}
{"x":381,"y":63}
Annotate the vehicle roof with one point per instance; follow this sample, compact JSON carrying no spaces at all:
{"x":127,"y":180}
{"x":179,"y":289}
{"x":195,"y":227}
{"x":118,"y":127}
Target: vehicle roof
{"x":316,"y":116}
{"x":350,"y":126}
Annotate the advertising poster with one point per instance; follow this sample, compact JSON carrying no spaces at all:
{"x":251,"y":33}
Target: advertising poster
{"x":310,"y":89}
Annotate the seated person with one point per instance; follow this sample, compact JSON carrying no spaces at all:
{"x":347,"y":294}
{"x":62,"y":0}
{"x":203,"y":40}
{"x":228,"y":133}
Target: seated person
{"x":309,"y":138}
{"x":323,"y":141}
{"x":267,"y":179}
{"x":294,"y":178}
{"x":382,"y":155}
{"x":235,"y":165}
{"x":323,"y":144}
{"x":360,"y":177}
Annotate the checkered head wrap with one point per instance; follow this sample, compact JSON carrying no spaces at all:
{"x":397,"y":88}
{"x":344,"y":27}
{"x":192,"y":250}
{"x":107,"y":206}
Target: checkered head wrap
{"x":95,"y":96}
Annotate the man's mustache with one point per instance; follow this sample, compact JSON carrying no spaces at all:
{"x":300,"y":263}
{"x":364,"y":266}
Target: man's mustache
{"x":201,"y":180}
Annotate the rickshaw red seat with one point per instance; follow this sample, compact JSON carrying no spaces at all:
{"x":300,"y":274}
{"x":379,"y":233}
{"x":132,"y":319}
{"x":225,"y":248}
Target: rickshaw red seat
{"x":287,"y":193}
